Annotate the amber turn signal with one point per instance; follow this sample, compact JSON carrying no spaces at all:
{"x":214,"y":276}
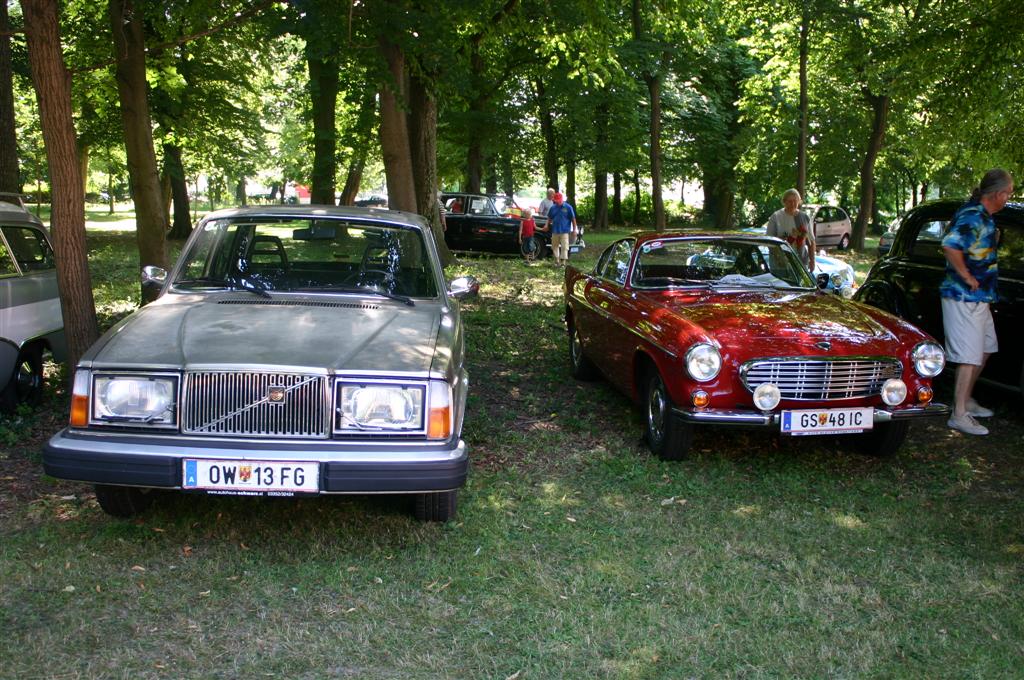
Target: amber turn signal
{"x":924,"y":395}
{"x":700,"y":398}
{"x":439,"y":420}
{"x":80,"y":400}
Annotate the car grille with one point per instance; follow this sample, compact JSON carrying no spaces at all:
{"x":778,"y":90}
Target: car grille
{"x":242,"y":404}
{"x":821,"y":379}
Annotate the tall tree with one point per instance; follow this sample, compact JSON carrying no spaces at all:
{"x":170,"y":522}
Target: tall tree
{"x":130,"y":59}
{"x":53,"y":90}
{"x":10,"y":175}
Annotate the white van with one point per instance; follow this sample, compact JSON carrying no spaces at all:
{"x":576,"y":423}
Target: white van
{"x":30,"y":314}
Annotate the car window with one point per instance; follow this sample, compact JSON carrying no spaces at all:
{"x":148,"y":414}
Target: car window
{"x":824,"y":214}
{"x":307,"y":255}
{"x":838,"y":214}
{"x":681,"y":262}
{"x":455,"y":205}
{"x":30,"y":248}
{"x":928,"y":243}
{"x":1011,"y":248}
{"x":480,"y":206}
{"x":6,"y":262}
{"x":617,"y":263}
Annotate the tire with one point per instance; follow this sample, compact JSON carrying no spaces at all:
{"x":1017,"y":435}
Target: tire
{"x":884,"y":440}
{"x":580,"y":367}
{"x":436,"y":507}
{"x":123,"y":501}
{"x":667,"y":437}
{"x":25,"y":384}
{"x":844,"y":242}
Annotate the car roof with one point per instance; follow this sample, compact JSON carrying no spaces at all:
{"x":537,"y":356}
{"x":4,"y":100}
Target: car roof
{"x":15,"y":213}
{"x":397,"y":217}
{"x":645,"y":236}
{"x":1014,"y":210}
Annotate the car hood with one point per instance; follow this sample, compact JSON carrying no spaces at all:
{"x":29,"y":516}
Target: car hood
{"x":787,"y":322}
{"x":212,"y":330}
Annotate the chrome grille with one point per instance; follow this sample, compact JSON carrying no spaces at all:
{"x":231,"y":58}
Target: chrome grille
{"x":240,"y":404}
{"x":821,"y":379}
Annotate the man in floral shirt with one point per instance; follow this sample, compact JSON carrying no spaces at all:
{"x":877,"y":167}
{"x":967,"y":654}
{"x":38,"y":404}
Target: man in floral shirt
{"x":971,"y":248}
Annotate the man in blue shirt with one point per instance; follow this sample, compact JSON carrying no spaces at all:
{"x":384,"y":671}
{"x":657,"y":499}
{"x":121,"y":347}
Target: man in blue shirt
{"x":971,"y":247}
{"x":562,"y":222}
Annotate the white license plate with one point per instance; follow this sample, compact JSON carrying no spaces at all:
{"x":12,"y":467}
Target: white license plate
{"x":242,"y":476}
{"x":827,"y":421}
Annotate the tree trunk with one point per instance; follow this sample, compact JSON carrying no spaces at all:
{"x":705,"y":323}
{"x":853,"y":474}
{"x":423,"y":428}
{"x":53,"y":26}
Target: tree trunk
{"x":616,"y":198}
{"x":880,"y":110}
{"x":130,"y":72}
{"x":241,"y":197}
{"x":508,"y":180}
{"x":924,"y":191}
{"x":801,"y":147}
{"x":491,"y":183}
{"x":361,"y":136}
{"x":636,"y":203}
{"x":719,"y":201}
{"x":323,"y":93}
{"x":654,"y":88}
{"x":110,"y":193}
{"x":353,"y":178}
{"x":52,"y":83}
{"x":181,"y":226}
{"x":10,"y":175}
{"x":83,"y":166}
{"x":600,"y":221}
{"x":570,"y":181}
{"x":423,"y":148}
{"x":394,"y":131}
{"x":547,"y":129}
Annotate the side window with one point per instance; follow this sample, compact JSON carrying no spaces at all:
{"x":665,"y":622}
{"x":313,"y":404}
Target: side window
{"x":824,"y":215}
{"x":617,"y":264}
{"x":30,"y":248}
{"x":6,"y":262}
{"x":1011,"y":248}
{"x":480,"y":206}
{"x":928,"y":243}
{"x":839,"y":214}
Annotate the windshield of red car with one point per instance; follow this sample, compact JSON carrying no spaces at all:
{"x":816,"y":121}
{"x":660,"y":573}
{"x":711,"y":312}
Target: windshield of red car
{"x":308,"y":255}
{"x":671,"y":263}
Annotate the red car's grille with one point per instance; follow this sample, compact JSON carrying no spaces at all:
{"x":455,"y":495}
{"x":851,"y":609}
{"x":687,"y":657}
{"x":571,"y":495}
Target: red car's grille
{"x":821,"y":379}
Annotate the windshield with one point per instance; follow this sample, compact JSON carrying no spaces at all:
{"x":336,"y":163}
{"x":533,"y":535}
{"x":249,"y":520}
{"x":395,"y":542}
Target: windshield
{"x":263,"y":255}
{"x":671,"y":263}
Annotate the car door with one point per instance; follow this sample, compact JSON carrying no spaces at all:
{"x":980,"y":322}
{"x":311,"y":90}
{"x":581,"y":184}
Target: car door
{"x":29,"y":300}
{"x":921,"y":267}
{"x":456,"y":234}
{"x":614,"y":313}
{"x":1007,"y":365}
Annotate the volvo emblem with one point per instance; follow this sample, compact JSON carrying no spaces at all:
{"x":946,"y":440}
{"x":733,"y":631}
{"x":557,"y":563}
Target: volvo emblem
{"x":823,"y":344}
{"x":275,"y":395}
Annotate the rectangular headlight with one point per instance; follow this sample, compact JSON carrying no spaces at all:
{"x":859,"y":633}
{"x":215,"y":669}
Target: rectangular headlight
{"x":381,"y":407}
{"x":135,"y":400}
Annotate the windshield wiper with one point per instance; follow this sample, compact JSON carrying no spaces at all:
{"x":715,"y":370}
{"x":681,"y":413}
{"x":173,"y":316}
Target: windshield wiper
{"x":356,"y":290}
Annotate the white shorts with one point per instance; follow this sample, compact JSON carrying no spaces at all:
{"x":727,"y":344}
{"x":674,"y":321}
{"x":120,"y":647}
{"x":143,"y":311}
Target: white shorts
{"x":970,"y":331}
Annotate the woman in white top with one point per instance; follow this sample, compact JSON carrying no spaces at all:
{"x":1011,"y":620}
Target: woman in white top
{"x":794,"y":227}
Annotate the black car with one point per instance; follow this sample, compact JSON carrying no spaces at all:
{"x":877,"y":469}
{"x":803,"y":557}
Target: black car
{"x":475,"y":224}
{"x":906,"y":280}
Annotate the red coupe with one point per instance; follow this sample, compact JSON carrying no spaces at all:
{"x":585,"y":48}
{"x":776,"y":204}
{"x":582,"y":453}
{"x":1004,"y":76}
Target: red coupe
{"x":732,"y":330}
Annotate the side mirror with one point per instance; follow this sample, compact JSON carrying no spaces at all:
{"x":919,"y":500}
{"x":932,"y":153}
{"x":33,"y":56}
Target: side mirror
{"x":464,"y":287}
{"x":822,"y":280}
{"x":154,"y":276}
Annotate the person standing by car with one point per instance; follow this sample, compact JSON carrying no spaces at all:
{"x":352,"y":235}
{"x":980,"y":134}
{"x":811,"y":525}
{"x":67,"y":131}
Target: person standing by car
{"x":561,"y":222}
{"x":793,"y":226}
{"x":527,"y":243}
{"x":546,"y":204}
{"x":971,"y":248}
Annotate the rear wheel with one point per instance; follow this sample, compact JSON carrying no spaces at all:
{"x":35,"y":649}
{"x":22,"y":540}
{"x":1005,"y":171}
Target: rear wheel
{"x":25,"y":384}
{"x":436,"y":507}
{"x":580,"y":366}
{"x":884,"y":440}
{"x":668,"y":437}
{"x":844,"y":242}
{"x":123,"y":501}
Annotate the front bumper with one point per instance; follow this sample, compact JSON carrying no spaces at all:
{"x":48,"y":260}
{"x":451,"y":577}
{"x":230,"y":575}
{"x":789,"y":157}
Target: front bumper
{"x":760,"y":419}
{"x":133,"y":460}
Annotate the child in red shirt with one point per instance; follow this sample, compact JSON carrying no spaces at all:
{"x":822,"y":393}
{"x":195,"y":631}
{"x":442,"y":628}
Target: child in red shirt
{"x":527,"y":227}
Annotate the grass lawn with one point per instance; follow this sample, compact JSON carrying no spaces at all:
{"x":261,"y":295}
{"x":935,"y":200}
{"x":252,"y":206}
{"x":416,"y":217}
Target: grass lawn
{"x":575,"y":553}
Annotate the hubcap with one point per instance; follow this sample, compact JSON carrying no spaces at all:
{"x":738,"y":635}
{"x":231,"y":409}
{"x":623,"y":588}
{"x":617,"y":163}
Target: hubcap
{"x":656,"y":411}
{"x":27,"y":379}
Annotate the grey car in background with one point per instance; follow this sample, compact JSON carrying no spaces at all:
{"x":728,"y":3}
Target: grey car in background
{"x":293,"y":350}
{"x":30,"y":313}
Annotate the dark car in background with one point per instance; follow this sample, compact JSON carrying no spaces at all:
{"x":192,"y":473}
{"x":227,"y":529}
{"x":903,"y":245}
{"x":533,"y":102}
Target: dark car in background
{"x":906,"y":280}
{"x":475,"y":224}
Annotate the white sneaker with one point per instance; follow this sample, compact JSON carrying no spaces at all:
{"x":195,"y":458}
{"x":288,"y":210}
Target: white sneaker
{"x":966,"y":424}
{"x":977,"y":410}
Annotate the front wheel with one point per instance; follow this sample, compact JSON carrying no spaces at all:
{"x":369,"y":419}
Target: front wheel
{"x":580,"y":366}
{"x":123,"y":501}
{"x":667,"y":436}
{"x":884,"y":440}
{"x":436,"y":507}
{"x":25,"y":384}
{"x":844,"y":242}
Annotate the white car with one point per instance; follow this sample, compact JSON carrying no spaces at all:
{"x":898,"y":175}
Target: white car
{"x":841,"y":277}
{"x":832,"y":226}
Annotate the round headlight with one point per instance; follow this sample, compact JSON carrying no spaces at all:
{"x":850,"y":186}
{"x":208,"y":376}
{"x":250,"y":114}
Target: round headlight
{"x":703,"y":362}
{"x":836,"y":279}
{"x":929,"y":359}
{"x":894,"y":391}
{"x":846,"y":292}
{"x":767,"y":396}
